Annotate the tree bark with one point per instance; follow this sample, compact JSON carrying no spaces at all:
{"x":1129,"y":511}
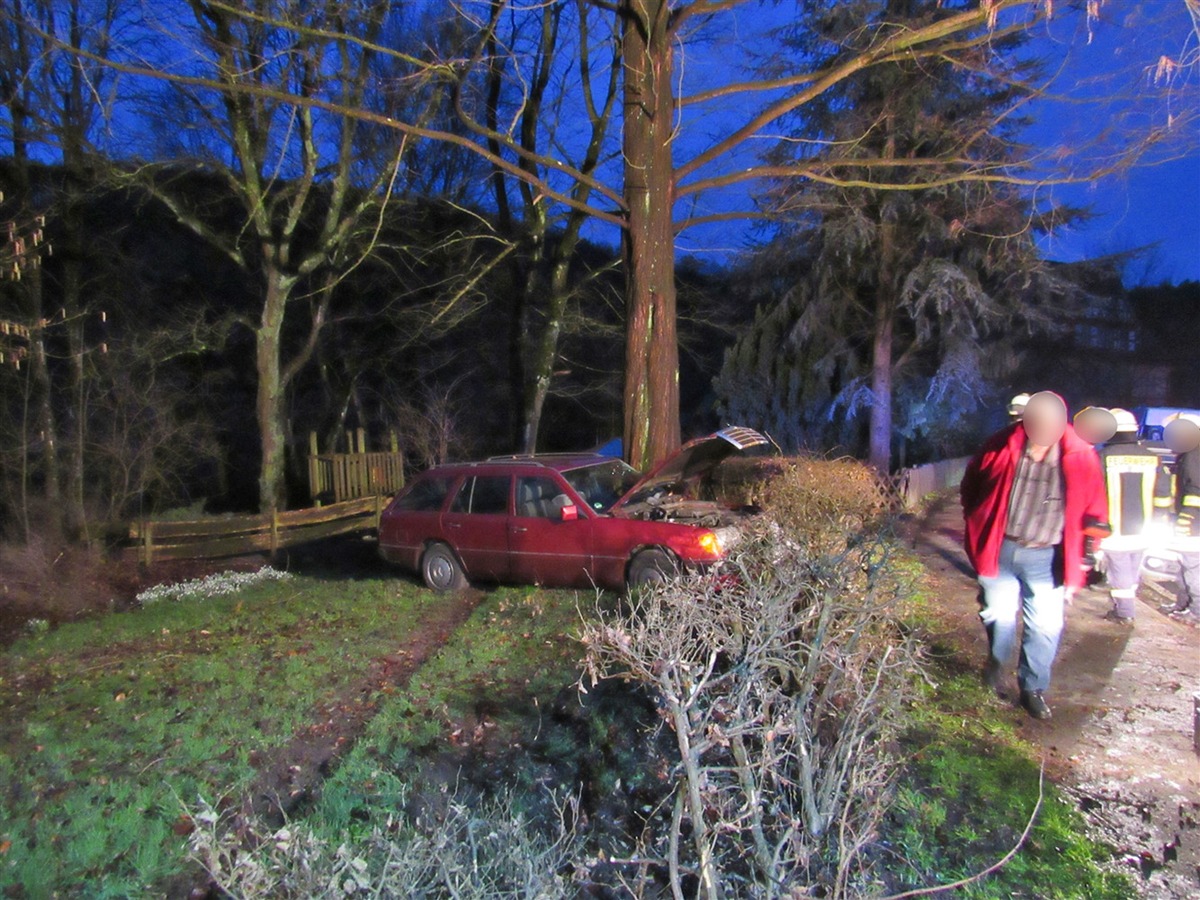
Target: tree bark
{"x":272,"y":485}
{"x":542,"y":369}
{"x":880,"y":457}
{"x":880,"y":437}
{"x":651,"y":347}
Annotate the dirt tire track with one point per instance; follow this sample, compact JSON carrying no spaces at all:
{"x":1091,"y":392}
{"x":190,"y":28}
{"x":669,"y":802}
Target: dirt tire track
{"x":291,"y":775}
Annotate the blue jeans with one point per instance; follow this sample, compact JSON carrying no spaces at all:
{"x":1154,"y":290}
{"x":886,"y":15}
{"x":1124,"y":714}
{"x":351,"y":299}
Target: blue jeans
{"x":1025,"y":583}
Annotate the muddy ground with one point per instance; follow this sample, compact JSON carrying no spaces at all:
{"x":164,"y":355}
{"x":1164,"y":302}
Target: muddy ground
{"x":1121,"y":738}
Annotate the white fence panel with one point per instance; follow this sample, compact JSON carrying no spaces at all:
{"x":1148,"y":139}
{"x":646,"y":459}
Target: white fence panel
{"x":920,"y":481}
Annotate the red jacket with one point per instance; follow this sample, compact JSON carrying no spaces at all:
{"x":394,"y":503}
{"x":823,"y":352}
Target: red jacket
{"x":987,"y":484}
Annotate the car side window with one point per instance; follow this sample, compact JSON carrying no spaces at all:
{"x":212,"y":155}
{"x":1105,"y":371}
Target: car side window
{"x":539,"y":497}
{"x":482,"y":495}
{"x":462,"y":500}
{"x":427,"y":495}
{"x":491,"y":495}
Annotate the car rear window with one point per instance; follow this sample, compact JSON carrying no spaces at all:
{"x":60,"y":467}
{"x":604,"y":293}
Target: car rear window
{"x":427,"y":495}
{"x":483,"y":495}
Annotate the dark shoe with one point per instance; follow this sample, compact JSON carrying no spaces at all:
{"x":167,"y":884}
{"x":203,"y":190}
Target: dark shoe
{"x":1113,"y":616}
{"x":1035,"y":704}
{"x":993,"y":676}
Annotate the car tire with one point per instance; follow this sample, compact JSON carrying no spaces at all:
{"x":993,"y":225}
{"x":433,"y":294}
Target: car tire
{"x":650,"y":567}
{"x":441,"y":570}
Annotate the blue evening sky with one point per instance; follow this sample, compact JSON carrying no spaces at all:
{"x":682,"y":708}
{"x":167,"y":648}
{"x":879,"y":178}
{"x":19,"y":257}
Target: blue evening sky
{"x":1154,"y":205}
{"x":1104,"y":95}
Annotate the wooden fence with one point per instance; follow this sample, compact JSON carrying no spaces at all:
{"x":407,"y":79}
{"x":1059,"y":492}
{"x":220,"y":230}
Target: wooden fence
{"x":918,"y":482}
{"x":236,"y":535}
{"x":335,"y":477}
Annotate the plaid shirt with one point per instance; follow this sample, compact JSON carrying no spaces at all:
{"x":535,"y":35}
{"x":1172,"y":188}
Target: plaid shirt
{"x":1035,"y":507}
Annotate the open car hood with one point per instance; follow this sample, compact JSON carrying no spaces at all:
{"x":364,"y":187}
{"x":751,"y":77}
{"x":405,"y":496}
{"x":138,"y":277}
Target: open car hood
{"x":693,"y":460}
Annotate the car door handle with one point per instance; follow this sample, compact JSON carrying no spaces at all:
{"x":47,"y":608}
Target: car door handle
{"x":454,"y":524}
{"x":520,"y":530}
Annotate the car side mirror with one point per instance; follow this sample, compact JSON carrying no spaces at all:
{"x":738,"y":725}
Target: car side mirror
{"x":570,"y":513}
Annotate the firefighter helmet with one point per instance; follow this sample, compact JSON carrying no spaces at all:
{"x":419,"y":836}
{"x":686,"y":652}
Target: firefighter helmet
{"x":1126,"y":422}
{"x":1016,"y":406}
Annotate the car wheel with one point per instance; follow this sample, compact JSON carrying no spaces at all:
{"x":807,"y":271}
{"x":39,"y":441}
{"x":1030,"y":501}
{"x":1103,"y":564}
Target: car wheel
{"x":650,"y":567}
{"x":441,"y":570}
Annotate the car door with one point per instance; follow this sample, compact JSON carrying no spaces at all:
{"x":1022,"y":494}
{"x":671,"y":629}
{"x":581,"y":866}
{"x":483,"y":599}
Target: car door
{"x":413,"y":518}
{"x":476,"y":524}
{"x":545,"y":548}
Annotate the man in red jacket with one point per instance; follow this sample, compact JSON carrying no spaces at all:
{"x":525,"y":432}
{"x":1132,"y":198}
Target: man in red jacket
{"x":1026,"y":497}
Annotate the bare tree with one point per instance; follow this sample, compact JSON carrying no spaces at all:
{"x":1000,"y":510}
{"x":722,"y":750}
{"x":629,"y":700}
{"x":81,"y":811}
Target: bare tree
{"x":295,"y":171}
{"x":680,"y":147}
{"x":57,"y":90}
{"x":551,"y":232}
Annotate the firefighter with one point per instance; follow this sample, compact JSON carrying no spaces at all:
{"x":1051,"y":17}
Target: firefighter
{"x":1183,"y":437}
{"x":1096,"y":426}
{"x":1130,"y":474}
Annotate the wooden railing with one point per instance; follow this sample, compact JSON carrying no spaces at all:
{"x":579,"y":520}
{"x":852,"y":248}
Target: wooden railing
{"x":344,"y":476}
{"x":236,"y":535}
{"x":335,"y":477}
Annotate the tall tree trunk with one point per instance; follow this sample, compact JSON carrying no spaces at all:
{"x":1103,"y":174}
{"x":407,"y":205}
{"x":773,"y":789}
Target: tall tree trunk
{"x":881,"y":386}
{"x":651,"y":347}
{"x":542,"y":365}
{"x":72,"y":301}
{"x":44,"y":419}
{"x":523,"y":370}
{"x":76,"y":509}
{"x":272,"y":486}
{"x":880,"y":434}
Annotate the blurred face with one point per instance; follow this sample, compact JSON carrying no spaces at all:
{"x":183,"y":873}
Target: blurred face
{"x":1045,"y":419}
{"x":1095,"y":425}
{"x":1182,"y":436}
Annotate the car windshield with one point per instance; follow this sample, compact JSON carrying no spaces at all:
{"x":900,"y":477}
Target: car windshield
{"x":602,"y":484}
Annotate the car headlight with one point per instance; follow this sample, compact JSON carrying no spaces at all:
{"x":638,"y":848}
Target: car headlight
{"x":710,"y":543}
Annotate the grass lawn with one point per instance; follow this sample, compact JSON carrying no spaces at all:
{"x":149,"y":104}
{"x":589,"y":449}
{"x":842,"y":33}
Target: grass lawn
{"x":114,"y":725}
{"x":112,"y":729}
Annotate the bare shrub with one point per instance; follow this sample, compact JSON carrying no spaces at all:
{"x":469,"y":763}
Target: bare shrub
{"x":50,"y":579}
{"x":466,"y":850}
{"x":434,"y":427}
{"x":782,"y":686}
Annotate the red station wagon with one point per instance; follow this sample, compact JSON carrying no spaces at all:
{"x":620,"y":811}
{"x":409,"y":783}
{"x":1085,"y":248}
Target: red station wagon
{"x":563,"y":520}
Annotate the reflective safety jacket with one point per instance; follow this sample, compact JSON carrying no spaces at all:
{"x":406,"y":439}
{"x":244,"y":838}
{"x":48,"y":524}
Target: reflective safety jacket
{"x":1187,"y":493}
{"x":1131,"y":477}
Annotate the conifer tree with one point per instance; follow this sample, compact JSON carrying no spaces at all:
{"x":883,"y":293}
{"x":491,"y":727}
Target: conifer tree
{"x":892,"y":290}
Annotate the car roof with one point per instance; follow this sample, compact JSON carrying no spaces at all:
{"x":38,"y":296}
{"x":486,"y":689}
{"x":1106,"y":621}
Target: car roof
{"x":559,"y":462}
